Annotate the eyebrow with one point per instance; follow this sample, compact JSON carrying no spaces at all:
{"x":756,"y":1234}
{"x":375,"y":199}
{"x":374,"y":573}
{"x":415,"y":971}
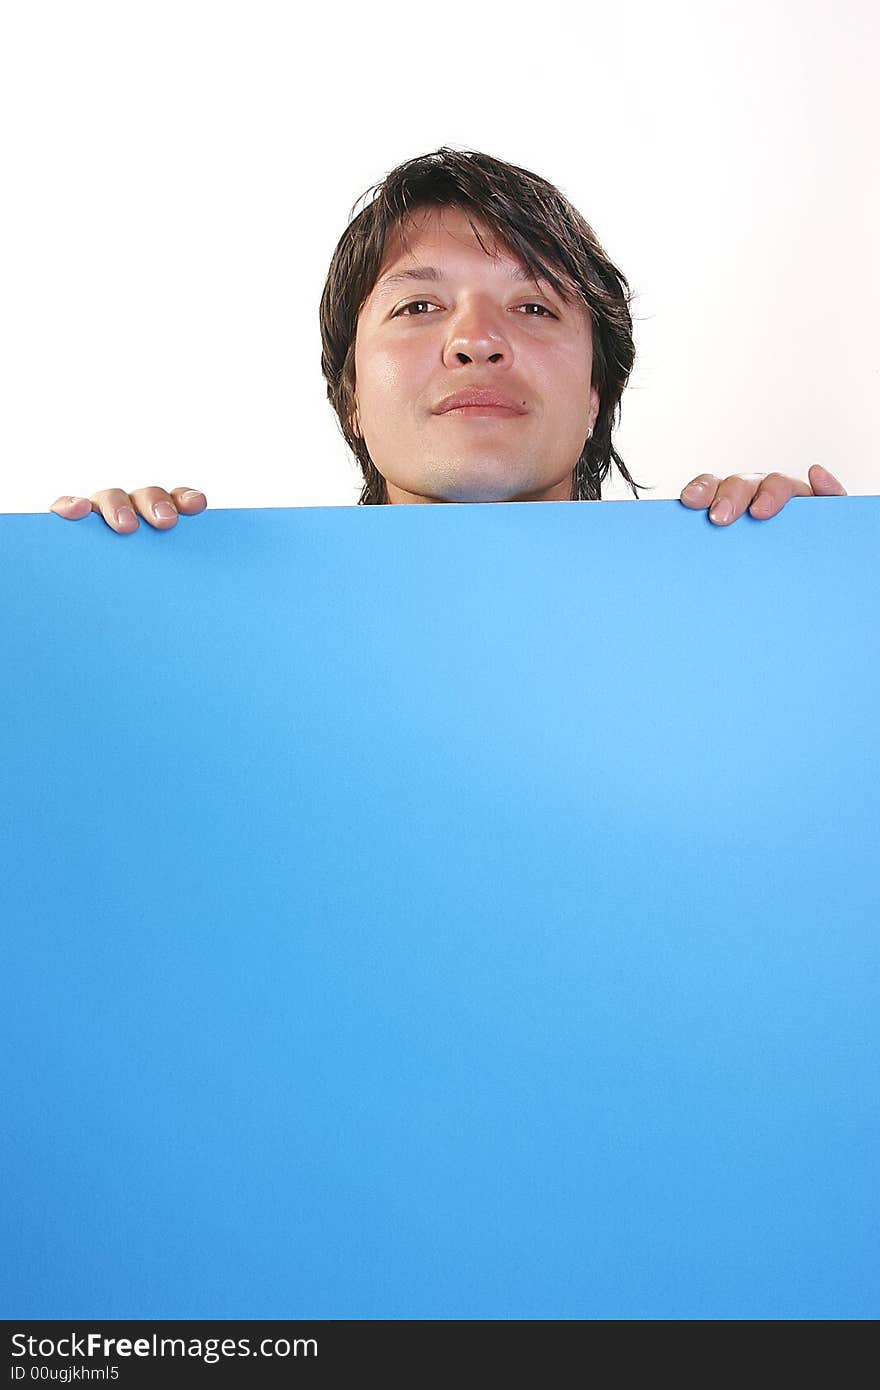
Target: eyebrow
{"x":430,"y":272}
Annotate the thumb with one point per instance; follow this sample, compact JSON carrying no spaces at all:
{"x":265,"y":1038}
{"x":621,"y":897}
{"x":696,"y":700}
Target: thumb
{"x":824,"y":484}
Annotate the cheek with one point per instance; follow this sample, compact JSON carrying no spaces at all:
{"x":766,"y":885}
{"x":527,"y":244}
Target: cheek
{"x":389,"y":382}
{"x":567,"y":387}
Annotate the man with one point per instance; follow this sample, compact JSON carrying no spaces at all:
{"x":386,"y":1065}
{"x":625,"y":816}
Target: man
{"x":476,"y":344}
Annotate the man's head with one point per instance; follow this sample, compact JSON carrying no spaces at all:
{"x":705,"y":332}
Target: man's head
{"x":468,"y":274}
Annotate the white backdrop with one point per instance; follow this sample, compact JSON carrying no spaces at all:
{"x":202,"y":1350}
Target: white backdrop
{"x":175,"y":177}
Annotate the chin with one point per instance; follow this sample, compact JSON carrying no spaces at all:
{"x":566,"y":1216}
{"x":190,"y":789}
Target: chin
{"x":477,"y":493}
{"x":490,"y":482}
{"x":499,"y":492}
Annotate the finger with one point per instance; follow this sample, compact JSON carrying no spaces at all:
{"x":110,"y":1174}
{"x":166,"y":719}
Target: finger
{"x":72,"y":508}
{"x":824,"y":484}
{"x":156,"y":506}
{"x":119,"y":508}
{"x":732,"y":497}
{"x":115,"y":506}
{"x":189,"y":500}
{"x":700,"y":491}
{"x":160,"y":508}
{"x":775,"y":490}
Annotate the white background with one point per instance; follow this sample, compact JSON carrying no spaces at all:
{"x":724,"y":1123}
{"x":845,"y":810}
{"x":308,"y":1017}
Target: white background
{"x":175,"y":177}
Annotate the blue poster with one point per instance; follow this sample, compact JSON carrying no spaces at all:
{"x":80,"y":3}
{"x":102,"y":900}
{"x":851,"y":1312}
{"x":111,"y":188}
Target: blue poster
{"x":442,"y":912}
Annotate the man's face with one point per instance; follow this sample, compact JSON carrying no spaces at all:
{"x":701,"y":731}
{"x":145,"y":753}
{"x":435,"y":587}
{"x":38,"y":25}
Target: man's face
{"x":462,"y":319}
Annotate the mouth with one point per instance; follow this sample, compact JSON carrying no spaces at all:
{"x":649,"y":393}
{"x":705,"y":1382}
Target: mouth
{"x":480,"y":400}
{"x":471,"y":411}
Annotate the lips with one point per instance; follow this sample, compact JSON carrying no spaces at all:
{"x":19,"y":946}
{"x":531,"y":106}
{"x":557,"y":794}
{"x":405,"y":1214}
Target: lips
{"x":477,"y":398}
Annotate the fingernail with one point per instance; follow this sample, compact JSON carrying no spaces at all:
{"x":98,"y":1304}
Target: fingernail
{"x":190,"y":496}
{"x":125,"y":516}
{"x":722,"y":511}
{"x":694,"y":489}
{"x":163,"y":511}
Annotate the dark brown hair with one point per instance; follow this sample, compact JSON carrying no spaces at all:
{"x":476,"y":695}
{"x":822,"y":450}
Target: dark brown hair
{"x":537,"y":224}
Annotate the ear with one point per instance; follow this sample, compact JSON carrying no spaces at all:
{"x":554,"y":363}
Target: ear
{"x":594,"y":407}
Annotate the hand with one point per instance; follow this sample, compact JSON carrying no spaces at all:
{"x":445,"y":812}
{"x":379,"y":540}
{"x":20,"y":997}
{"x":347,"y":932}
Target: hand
{"x":118,"y":507}
{"x":764,"y":494}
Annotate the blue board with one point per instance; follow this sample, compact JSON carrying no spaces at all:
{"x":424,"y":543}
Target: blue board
{"x":442,"y":912}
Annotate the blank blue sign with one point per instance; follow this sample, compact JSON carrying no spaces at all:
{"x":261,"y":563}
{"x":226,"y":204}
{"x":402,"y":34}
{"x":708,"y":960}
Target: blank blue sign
{"x":442,"y":912}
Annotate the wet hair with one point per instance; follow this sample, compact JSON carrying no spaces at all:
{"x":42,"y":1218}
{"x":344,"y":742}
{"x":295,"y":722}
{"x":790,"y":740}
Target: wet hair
{"x":537,"y":225}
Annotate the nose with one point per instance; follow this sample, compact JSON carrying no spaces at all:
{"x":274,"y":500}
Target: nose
{"x":476,"y":334}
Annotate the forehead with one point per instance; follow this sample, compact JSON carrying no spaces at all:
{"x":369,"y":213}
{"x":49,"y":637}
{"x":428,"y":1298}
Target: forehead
{"x":451,"y":228}
{"x":432,"y":235}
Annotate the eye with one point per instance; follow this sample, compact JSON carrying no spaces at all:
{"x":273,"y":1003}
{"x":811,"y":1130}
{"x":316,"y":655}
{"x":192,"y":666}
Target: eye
{"x":414,"y":304}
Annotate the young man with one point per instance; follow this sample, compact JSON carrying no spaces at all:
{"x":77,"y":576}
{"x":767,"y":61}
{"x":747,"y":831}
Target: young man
{"x":476,"y":344}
